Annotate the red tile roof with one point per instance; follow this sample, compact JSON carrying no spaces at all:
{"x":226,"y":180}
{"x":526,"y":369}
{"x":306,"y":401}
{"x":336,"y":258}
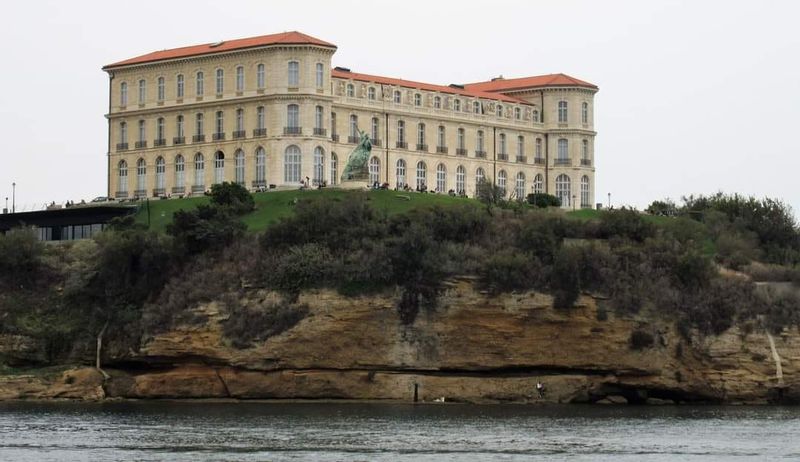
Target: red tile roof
{"x":550,"y":80}
{"x":284,"y":38}
{"x":338,"y":73}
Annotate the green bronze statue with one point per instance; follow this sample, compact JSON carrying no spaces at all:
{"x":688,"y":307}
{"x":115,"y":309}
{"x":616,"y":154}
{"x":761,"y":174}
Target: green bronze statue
{"x":357,"y":168}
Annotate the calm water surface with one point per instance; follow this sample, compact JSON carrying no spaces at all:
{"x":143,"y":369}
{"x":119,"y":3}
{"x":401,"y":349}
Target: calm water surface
{"x":180,"y":431}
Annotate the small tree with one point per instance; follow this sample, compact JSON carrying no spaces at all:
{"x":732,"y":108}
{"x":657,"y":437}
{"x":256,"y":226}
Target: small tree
{"x":233,"y":196}
{"x":543,"y":200}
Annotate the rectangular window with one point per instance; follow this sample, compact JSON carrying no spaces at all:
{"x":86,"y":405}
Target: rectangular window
{"x":142,"y":91}
{"x":200,"y":89}
{"x":320,"y":75}
{"x":220,"y":81}
{"x":260,"y":80}
{"x":294,"y":74}
{"x":160,"y":88}
{"x":179,"y":89}
{"x":240,"y":78}
{"x":260,"y":122}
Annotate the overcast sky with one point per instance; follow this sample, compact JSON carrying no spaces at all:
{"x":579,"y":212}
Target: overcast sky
{"x":695,"y":96}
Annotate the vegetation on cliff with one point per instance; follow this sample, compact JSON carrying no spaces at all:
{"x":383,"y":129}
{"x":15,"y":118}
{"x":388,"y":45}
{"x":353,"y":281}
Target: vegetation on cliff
{"x":131,"y":282}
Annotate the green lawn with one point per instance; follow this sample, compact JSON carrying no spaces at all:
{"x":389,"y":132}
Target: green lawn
{"x":273,"y":205}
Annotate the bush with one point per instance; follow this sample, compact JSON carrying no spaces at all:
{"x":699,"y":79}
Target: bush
{"x":543,"y":200}
{"x":246,"y":325}
{"x":300,"y":267}
{"x":489,"y":193}
{"x":565,"y":281}
{"x":665,"y":208}
{"x":641,"y":340}
{"x":20,"y":258}
{"x":510,"y":270}
{"x":627,"y":223}
{"x":233,"y":196}
{"x":205,"y":228}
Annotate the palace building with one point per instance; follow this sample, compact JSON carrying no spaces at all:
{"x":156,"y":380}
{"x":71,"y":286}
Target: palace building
{"x":269,"y":112}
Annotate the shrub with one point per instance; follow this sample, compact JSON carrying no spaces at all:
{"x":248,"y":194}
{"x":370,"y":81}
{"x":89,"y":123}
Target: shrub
{"x":205,"y":228}
{"x":640,"y":340}
{"x":565,"y":282}
{"x":543,"y":200}
{"x":300,"y":267}
{"x":665,"y":208}
{"x":20,"y":258}
{"x":233,"y":196}
{"x":626,"y":223}
{"x":489,"y":193}
{"x":246,"y":325}
{"x":510,"y":270}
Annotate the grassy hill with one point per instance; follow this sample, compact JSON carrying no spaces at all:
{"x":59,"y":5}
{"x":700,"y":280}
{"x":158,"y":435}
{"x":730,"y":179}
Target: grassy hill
{"x":273,"y":205}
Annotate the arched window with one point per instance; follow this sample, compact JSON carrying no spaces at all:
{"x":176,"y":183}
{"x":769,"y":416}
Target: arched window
{"x":520,"y":148}
{"x":261,"y":77}
{"x":240,"y":122}
{"x":123,"y":133}
{"x":179,"y":130}
{"x":480,"y":177}
{"x":563,"y":152}
{"x":501,"y":181}
{"x":538,"y":184}
{"x":441,"y":178}
{"x":376,"y":132}
{"x":397,"y":97}
{"x":141,"y":177}
{"x":238,"y":159}
{"x":293,"y":117}
{"x":374,"y":170}
{"x":199,"y":86}
{"x":585,"y":113}
{"x":519,"y":189}
{"x":142,"y":91}
{"x":220,"y":125}
{"x":122,"y":177}
{"x":437,"y":102}
{"x":320,"y":74}
{"x":562,"y":112}
{"x":219,"y":167}
{"x":353,"y":128}
{"x":319,"y":166}
{"x":421,"y":136}
{"x":123,"y":94}
{"x":351,"y":90}
{"x":441,"y":140}
{"x":291,"y":165}
{"x":334,"y":168}
{"x":261,"y":167}
{"x":294,"y":74}
{"x":457,"y":104}
{"x":499,"y":110}
{"x":417,"y":99}
{"x":220,"y":81}
{"x":502,"y":147}
{"x":461,"y":180}
{"x":563,"y":189}
{"x":401,"y":132}
{"x":239,"y":78}
{"x":400,"y":174}
{"x":180,"y":172}
{"x":422,"y":176}
{"x":199,"y":172}
{"x":517,"y":113}
{"x":585,"y":191}
{"x":477,"y":108}
{"x":160,"y":90}
{"x":371,"y":93}
{"x":161,"y":169}
{"x":535,"y":116}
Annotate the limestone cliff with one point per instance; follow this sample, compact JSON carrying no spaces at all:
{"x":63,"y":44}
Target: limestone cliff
{"x":474,"y":347}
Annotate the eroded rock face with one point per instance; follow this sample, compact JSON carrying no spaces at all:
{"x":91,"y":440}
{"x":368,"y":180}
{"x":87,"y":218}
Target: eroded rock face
{"x":79,"y":383}
{"x":473,"y":347}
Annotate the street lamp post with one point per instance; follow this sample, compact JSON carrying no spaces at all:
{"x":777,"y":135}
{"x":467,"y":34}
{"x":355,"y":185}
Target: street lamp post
{"x":609,"y":200}
{"x":573,"y":202}
{"x":13,"y":197}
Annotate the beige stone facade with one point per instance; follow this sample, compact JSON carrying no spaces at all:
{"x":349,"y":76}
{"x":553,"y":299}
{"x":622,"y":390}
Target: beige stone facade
{"x":273,"y":113}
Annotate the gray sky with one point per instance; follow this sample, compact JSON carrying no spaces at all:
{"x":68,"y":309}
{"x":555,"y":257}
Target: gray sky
{"x":695,"y":96}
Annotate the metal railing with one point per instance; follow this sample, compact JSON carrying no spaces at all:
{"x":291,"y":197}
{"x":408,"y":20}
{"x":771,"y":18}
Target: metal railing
{"x":586,"y":162}
{"x":122,"y":146}
{"x":422,"y":147}
{"x":538,"y":160}
{"x":461,"y":151}
{"x":353,"y":139}
{"x":480,"y":154}
{"x":198,"y":138}
{"x":141,"y":144}
{"x":376,"y":142}
{"x":178,"y":189}
{"x":401,"y":144}
{"x":292,"y":130}
{"x":522,"y":159}
{"x":259,"y":132}
{"x":217,"y":136}
{"x":335,"y":137}
{"x":238,"y":134}
{"x":319,"y":131}
{"x":502,"y":156}
{"x":441,"y":149}
{"x":566,"y":161}
{"x":160,"y":142}
{"x":179,"y":140}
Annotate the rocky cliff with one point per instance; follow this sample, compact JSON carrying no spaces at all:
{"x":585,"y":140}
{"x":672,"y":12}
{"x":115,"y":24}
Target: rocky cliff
{"x":473,"y":347}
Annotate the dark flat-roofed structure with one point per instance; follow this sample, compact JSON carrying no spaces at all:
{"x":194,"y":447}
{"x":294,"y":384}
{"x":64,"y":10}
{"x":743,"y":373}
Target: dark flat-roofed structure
{"x":76,"y":222}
